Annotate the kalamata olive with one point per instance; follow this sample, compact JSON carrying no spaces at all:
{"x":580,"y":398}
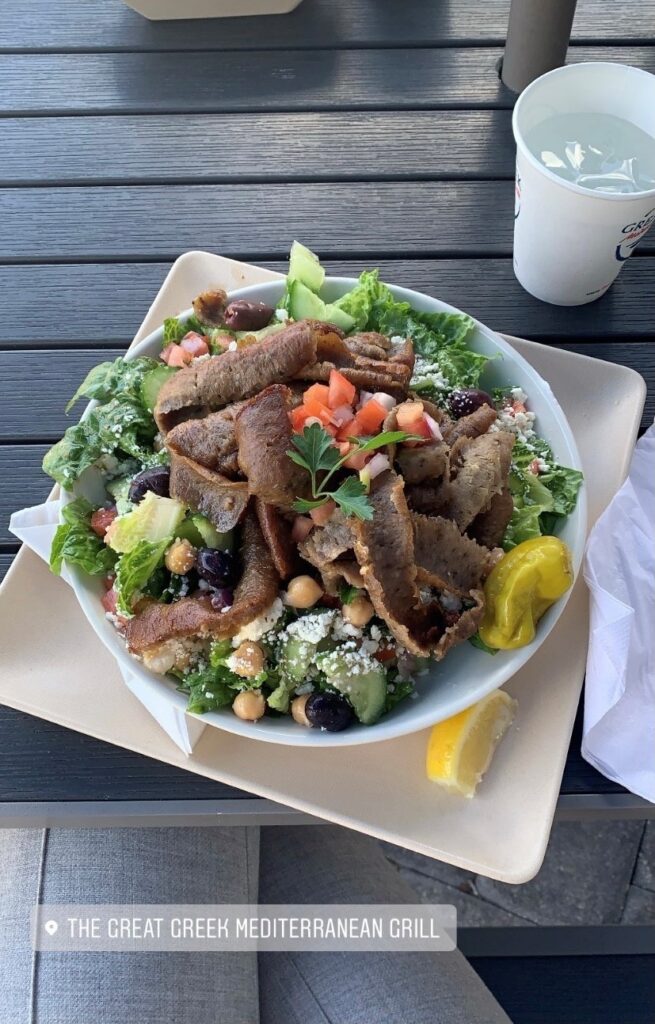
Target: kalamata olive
{"x":156,"y":480}
{"x":242,"y":315}
{"x":466,"y":401}
{"x":216,"y":567}
{"x":222,"y":597}
{"x":328,"y":711}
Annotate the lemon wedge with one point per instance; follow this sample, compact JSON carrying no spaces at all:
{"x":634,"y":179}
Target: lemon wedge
{"x":460,"y":748}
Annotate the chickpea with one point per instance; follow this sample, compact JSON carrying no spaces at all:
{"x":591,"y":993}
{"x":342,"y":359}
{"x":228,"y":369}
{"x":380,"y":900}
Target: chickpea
{"x":180,"y":557}
{"x":249,"y":705}
{"x":247,"y":660}
{"x":303,"y":592}
{"x":358,"y":612}
{"x":298,"y":710}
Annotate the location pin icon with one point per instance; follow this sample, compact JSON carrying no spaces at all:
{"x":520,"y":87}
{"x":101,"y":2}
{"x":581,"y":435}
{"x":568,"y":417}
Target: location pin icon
{"x":51,"y":927}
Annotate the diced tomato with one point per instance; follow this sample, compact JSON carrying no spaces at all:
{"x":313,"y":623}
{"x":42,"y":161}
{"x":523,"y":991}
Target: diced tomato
{"x":101,"y":519}
{"x":357,"y":461}
{"x":408,"y":413}
{"x":302,"y":527}
{"x":316,"y":393}
{"x":518,"y":407}
{"x":347,"y":430}
{"x":323,"y":513}
{"x":316,"y":408}
{"x":175,"y":355}
{"x":344,"y":447}
{"x":195,"y":344}
{"x":298,"y":417}
{"x":341,"y":391}
{"x":371,"y":416}
{"x":534,"y":467}
{"x":108,"y":581}
{"x":109,"y":601}
{"x":421,"y":429}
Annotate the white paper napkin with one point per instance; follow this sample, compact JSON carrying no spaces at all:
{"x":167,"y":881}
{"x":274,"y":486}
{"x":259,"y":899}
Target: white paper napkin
{"x":619,"y":717}
{"x":36,"y":527}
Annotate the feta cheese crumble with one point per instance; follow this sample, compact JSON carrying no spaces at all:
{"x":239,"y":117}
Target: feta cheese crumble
{"x":232,"y":347}
{"x":256,"y":629}
{"x":426,"y":372}
{"x":282,"y":315}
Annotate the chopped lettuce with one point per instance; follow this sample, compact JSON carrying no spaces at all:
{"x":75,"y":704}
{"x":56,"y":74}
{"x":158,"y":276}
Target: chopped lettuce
{"x":110,"y":380}
{"x":154,"y":519}
{"x":122,"y":425}
{"x":76,"y":543}
{"x":134,"y":570}
{"x":540,"y":500}
{"x":215,"y":685}
{"x":397,"y":691}
{"x":175,"y":329}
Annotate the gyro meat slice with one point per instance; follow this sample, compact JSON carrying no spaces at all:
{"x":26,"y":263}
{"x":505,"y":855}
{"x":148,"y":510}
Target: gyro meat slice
{"x":277,"y":534}
{"x":213,"y":383}
{"x":223,"y":501}
{"x":473,"y":425}
{"x":447,"y":559}
{"x":263,"y":432}
{"x":210,"y":441}
{"x":483,"y":471}
{"x":489,"y":527}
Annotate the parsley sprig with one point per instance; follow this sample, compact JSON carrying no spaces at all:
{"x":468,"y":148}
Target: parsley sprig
{"x":314,"y":451}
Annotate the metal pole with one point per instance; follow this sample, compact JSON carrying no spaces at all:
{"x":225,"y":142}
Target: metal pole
{"x":538,"y":36}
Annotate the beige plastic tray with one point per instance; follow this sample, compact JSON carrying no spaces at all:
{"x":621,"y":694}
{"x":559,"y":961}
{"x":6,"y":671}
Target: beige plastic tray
{"x":65,"y":675}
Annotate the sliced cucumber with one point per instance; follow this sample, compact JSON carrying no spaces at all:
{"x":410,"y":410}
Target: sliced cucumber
{"x":296,"y":658}
{"x":367,"y":691}
{"x":211,"y":538}
{"x":304,"y":305}
{"x":304,"y":266}
{"x":152,"y":384}
{"x":202,"y":534}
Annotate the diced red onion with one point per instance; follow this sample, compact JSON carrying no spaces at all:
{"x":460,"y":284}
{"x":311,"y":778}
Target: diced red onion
{"x":434,"y":427}
{"x":342,"y":415}
{"x":386,"y":401}
{"x":378,"y":464}
{"x":364,"y":397}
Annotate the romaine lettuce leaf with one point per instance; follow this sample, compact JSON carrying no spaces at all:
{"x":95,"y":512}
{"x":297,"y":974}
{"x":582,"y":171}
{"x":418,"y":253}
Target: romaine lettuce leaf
{"x":76,"y":543}
{"x":122,"y":425}
{"x":540,"y":500}
{"x":109,"y":380}
{"x":368,"y":293}
{"x":133,"y":571}
{"x":175,"y":330}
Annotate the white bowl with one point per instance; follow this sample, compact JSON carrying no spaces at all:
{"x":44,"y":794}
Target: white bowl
{"x":466,"y":674}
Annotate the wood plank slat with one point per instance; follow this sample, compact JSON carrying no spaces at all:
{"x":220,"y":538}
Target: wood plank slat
{"x":110,"y":25}
{"x":34,"y":380}
{"x":153,"y":149}
{"x":193,"y":82}
{"x":371,"y":220}
{"x":87,"y":305}
{"x":23,"y":483}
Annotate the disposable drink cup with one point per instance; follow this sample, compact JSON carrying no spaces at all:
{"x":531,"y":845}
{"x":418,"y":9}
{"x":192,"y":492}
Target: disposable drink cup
{"x":570,"y":242}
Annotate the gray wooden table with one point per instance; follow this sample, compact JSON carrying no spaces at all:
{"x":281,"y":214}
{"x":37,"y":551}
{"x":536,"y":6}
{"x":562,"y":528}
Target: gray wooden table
{"x":376,"y":132}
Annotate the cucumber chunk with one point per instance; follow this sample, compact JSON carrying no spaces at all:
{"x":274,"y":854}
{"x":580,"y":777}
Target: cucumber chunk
{"x":119,"y":490}
{"x":367,"y":691}
{"x":202,"y":534}
{"x":152,"y":384}
{"x":304,"y":305}
{"x":304,"y":266}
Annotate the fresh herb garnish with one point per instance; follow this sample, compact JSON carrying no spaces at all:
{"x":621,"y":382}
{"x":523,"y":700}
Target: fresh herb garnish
{"x":315,"y":452}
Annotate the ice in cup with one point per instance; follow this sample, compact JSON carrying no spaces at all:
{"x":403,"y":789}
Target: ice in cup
{"x":585,"y":178}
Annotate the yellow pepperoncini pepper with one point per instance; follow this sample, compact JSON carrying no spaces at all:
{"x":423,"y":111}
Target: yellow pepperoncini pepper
{"x":519,"y":589}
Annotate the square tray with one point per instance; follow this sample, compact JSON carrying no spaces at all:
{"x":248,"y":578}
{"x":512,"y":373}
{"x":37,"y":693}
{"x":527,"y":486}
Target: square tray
{"x":380,"y":788}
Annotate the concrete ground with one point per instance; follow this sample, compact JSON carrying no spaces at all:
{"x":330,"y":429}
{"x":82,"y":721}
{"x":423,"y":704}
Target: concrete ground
{"x":593,"y":873}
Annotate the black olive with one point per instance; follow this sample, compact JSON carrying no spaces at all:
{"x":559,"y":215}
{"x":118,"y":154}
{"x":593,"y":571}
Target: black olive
{"x":156,"y":480}
{"x":242,"y":315}
{"x":329,"y":711}
{"x":216,"y":567}
{"x":467,"y":400}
